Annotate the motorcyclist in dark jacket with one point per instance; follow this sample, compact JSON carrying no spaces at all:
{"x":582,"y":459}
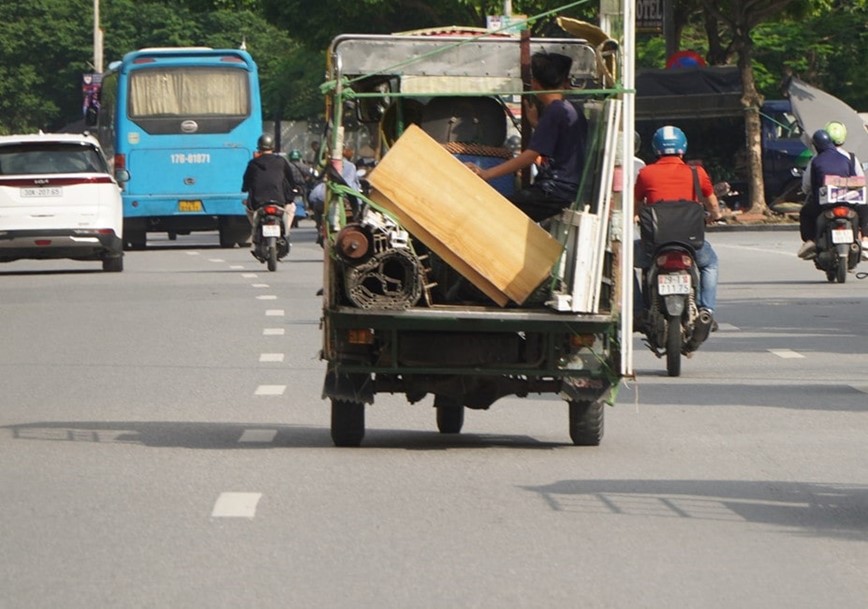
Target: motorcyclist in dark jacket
{"x":268,"y":178}
{"x":828,"y":162}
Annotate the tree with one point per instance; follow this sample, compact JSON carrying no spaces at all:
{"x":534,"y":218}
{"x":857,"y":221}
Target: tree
{"x":325,"y":19}
{"x":740,"y":18}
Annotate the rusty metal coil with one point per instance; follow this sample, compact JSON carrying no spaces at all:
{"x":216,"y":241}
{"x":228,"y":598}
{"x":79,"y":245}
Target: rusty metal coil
{"x":391,"y":280}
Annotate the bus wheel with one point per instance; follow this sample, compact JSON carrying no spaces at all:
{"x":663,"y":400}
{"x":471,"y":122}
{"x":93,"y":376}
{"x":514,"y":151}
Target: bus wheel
{"x":135,"y":238}
{"x":234,"y":231}
{"x":348,"y":422}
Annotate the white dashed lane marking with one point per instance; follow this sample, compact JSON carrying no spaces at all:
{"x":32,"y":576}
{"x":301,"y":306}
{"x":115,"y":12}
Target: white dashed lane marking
{"x":249,"y":275}
{"x":271,"y":357}
{"x":236,"y":505}
{"x":261,"y":436}
{"x":236,"y":267}
{"x":260,"y":285}
{"x":274,"y":331}
{"x":192,"y":253}
{"x":270,"y":390}
{"x":275,"y":313}
{"x":725,"y":327}
{"x":216,"y":260}
{"x":266,"y":297}
{"x":786,"y":353}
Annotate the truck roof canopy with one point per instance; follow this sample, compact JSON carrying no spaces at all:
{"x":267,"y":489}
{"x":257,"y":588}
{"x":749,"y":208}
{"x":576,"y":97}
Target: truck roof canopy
{"x":688,"y":93}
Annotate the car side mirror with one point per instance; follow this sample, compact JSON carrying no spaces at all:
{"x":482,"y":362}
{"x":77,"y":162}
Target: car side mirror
{"x":122,"y":176}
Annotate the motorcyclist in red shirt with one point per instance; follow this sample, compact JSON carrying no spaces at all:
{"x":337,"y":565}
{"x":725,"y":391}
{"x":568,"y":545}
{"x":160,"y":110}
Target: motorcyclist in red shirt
{"x":671,"y":179}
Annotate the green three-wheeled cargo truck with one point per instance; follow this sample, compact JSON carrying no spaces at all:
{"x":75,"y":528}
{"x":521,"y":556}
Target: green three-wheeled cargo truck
{"x":434,"y":284}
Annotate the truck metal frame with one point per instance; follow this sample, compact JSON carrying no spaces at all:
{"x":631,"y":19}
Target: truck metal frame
{"x":468,"y":356}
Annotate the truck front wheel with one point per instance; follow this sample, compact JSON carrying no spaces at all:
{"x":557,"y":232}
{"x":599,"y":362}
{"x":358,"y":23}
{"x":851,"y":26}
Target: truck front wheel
{"x":348,"y":423}
{"x":586,"y":422}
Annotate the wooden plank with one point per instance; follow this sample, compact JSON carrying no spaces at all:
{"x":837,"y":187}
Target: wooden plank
{"x":462,"y":219}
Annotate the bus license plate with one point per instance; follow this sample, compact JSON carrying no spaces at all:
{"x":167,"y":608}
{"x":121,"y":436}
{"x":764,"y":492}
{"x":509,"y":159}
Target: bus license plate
{"x":189,"y":205}
{"x":270,"y":230}
{"x":844,"y":235}
{"x":673,"y":284}
{"x":27,"y":193}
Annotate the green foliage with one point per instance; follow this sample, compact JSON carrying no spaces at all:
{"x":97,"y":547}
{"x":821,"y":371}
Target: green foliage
{"x":828,"y":50}
{"x":46,"y":45}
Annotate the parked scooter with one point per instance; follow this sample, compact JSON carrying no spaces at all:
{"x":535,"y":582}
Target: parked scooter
{"x":673,"y":324}
{"x":269,"y":238}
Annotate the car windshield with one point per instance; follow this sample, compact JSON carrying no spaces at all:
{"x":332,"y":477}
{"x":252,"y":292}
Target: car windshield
{"x":50,"y":158}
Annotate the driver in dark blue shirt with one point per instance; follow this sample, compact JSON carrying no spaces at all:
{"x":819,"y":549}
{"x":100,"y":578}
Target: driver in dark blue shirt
{"x":559,"y":140}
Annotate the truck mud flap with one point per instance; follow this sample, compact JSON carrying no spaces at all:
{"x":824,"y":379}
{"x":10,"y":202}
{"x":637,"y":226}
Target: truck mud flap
{"x":582,"y":389}
{"x":348,"y":386}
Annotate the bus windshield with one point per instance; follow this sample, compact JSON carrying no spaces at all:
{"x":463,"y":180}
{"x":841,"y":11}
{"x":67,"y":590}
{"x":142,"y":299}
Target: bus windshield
{"x":189,"y":92}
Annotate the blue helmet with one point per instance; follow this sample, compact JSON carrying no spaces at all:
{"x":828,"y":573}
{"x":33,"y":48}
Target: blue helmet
{"x":669,"y":140}
{"x":822,"y":140}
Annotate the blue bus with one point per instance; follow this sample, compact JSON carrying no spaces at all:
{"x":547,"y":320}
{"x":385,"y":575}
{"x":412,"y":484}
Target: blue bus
{"x":183,"y":122}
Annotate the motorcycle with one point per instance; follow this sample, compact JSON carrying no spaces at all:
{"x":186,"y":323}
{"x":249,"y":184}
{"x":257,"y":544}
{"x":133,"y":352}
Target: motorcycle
{"x":674,"y":325}
{"x":839,"y":249}
{"x":269,"y":238}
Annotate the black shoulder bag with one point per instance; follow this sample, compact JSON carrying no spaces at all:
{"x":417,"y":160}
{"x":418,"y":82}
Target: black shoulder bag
{"x":680,"y":221}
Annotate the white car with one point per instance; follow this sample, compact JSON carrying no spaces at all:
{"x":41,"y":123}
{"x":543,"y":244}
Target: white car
{"x":59,"y":200}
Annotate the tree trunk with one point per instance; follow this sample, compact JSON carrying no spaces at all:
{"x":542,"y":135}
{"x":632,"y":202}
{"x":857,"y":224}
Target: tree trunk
{"x":752,"y":102}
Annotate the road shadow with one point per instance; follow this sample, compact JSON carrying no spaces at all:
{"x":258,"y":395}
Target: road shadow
{"x":821,"y":397}
{"x":229,"y":436}
{"x":833,"y":510}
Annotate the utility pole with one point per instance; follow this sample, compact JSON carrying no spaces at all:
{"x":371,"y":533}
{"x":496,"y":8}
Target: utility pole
{"x":97,"y":39}
{"x":669,"y":28}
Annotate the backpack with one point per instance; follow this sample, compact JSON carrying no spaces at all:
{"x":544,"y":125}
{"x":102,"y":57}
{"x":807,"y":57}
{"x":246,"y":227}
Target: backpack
{"x":681,"y":221}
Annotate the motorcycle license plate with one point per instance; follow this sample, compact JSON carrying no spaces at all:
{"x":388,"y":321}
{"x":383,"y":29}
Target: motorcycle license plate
{"x":270,"y":230}
{"x":673,"y":284}
{"x":843,"y":235}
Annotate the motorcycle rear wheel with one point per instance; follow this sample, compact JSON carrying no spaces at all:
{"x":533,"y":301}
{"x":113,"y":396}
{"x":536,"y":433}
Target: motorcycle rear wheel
{"x":673,"y":346}
{"x":841,"y":270}
{"x":271,"y":258}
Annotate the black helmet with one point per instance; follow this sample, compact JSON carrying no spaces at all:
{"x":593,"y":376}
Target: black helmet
{"x":265,"y":142}
{"x":821,"y":140}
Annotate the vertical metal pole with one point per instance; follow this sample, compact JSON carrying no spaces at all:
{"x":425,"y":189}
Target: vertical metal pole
{"x":97,"y":39}
{"x":628,"y":56}
{"x":525,"y":79}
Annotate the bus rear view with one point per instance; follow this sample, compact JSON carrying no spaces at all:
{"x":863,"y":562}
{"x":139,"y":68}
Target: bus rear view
{"x":184,"y":123}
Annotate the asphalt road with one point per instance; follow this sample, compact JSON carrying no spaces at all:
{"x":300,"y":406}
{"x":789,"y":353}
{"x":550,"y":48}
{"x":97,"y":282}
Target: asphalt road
{"x":163,"y":443}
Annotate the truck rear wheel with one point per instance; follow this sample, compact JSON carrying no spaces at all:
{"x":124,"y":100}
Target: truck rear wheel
{"x":348,"y":423}
{"x":450,"y":414}
{"x":586,"y":422}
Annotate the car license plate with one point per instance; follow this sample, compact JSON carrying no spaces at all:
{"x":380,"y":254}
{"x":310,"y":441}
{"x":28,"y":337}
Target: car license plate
{"x":843,"y":235}
{"x":189,"y":205}
{"x":270,"y":230}
{"x":27,"y":193}
{"x":673,"y":284}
